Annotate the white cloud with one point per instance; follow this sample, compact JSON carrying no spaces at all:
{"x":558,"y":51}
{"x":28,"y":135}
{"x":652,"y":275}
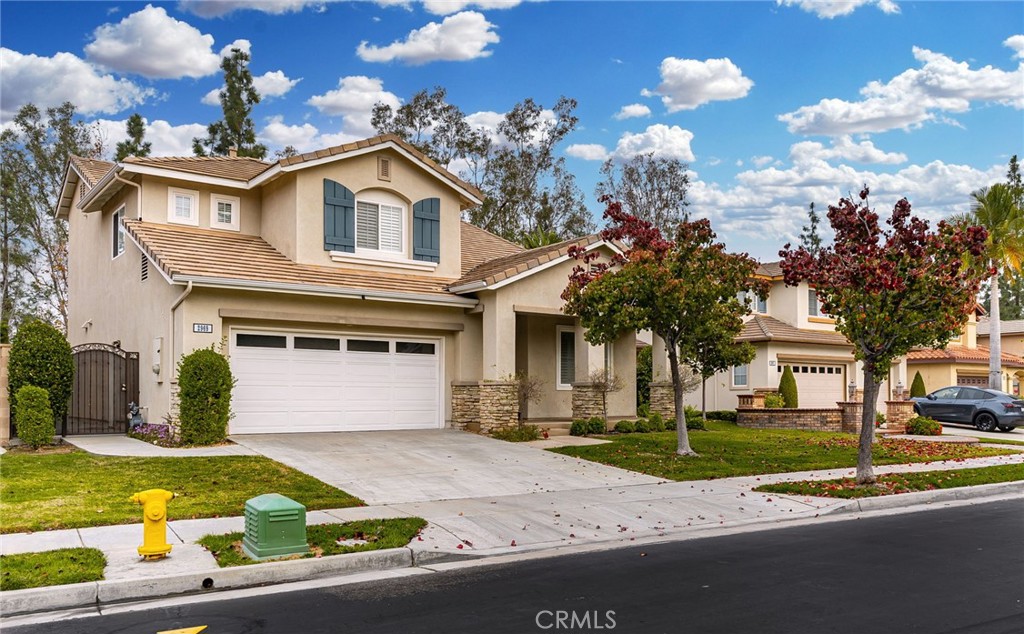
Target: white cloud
{"x":155,"y":45}
{"x":633,"y":110}
{"x":761,"y":161}
{"x":353,"y":100}
{"x":167,"y":139}
{"x":912,"y":98}
{"x":587,"y":151}
{"x":50,"y":81}
{"x":488,"y":121}
{"x":446,"y":7}
{"x":269,"y":84}
{"x":279,"y":134}
{"x":1015,"y":42}
{"x":844,"y":148}
{"x":687,"y":84}
{"x":662,"y":140}
{"x":713,"y":161}
{"x":220,"y":8}
{"x":460,"y":37}
{"x":243,"y":45}
{"x":828,"y":9}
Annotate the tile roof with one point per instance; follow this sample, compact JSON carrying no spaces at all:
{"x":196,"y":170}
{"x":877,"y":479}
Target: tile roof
{"x":380,"y":140}
{"x":770,"y":269}
{"x":91,"y":169}
{"x":765,"y":328}
{"x":959,"y":354}
{"x":1012,"y":327}
{"x":498,"y":269}
{"x":479,"y":246}
{"x":233,"y":168}
{"x":192,"y":252}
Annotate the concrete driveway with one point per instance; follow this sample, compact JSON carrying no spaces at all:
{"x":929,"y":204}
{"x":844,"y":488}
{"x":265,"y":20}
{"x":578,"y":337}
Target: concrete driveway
{"x":390,"y":467}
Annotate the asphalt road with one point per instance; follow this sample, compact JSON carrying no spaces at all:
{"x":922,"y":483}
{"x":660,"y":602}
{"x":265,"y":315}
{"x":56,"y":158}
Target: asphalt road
{"x":939,"y":571}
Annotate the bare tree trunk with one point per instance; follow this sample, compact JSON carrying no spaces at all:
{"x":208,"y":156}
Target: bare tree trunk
{"x":865,"y":472}
{"x":703,"y":398}
{"x":995,"y":357}
{"x":682,"y":436}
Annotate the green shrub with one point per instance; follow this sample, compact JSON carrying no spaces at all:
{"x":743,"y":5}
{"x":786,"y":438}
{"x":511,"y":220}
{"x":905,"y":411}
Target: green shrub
{"x":923,"y":426}
{"x":643,"y":375}
{"x":578,"y":427}
{"x":774,"y":401}
{"x":670,"y":424}
{"x":695,"y":422}
{"x":204,"y":384}
{"x":656,"y":419}
{"x":596,"y":425}
{"x":727,"y":415}
{"x":657,"y":425}
{"x":625,"y":427}
{"x":879,"y":419}
{"x":787,"y":388}
{"x":644,"y":411}
{"x":917,"y":387}
{"x":519,"y":433}
{"x":35,"y":418}
{"x":41,"y":356}
{"x":690,"y":410}
{"x":642,"y":426}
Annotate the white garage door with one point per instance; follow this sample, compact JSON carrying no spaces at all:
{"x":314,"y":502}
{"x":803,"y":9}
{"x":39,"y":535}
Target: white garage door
{"x":818,"y":385}
{"x":296,"y":382}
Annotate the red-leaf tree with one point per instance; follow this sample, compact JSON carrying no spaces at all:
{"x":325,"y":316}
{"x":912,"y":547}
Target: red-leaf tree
{"x":890,"y":290}
{"x":684,"y":290}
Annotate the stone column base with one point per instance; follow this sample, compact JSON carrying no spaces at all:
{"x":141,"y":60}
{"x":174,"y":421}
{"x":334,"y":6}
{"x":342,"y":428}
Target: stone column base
{"x":484,"y":406}
{"x":663,"y":400}
{"x":897,"y":414}
{"x":587,"y":401}
{"x":466,"y":405}
{"x":853,"y":411}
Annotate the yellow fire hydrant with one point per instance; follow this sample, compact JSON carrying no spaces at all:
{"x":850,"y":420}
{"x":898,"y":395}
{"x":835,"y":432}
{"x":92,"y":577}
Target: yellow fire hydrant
{"x":154,"y":522}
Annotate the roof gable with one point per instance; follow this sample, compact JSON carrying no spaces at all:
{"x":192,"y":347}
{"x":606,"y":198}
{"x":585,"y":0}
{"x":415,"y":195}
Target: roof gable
{"x":504,"y":269}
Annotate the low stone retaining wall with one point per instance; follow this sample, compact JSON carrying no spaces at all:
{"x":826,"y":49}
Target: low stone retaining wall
{"x":823,"y":419}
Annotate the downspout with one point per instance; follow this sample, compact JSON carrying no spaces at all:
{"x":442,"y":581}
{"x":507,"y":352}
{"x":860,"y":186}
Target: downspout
{"x":138,"y":210}
{"x":170,"y":339}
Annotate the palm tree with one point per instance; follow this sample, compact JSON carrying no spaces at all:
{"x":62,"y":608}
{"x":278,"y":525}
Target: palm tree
{"x":540,"y":238}
{"x":995,"y":209}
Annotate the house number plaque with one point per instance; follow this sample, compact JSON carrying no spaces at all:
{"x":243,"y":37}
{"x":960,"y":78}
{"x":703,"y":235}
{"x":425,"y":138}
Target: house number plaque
{"x":203,"y":328}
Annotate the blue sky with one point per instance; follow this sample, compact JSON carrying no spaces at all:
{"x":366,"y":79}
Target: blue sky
{"x":772,"y":104}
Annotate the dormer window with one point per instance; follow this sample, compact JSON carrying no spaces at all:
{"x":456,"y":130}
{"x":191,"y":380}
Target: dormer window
{"x":224,"y":212}
{"x":183,"y":206}
{"x":379,"y":226}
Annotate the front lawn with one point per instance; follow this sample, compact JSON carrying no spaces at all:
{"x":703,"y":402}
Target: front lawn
{"x":727,"y":450}
{"x":77,"y":489}
{"x":51,"y":568}
{"x":900,"y":482}
{"x":323,"y":539}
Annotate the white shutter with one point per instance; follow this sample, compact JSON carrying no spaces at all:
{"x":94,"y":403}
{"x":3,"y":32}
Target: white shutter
{"x":366,"y":226}
{"x":390,"y":228}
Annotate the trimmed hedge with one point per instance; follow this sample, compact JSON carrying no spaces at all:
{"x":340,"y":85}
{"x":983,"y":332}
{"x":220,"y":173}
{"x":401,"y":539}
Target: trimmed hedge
{"x":41,"y":356}
{"x":727,"y":415}
{"x":923,"y":426}
{"x":787,"y":388}
{"x":625,"y":427}
{"x":204,"y":392}
{"x":917,"y":387}
{"x":35,"y":418}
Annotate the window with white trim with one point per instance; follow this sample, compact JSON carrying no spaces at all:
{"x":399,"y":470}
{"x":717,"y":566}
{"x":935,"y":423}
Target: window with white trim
{"x":741,"y":376}
{"x":814,"y":304}
{"x":183,"y":206}
{"x":224,"y":212}
{"x":379,"y":226}
{"x":566,"y":370}
{"x":756,"y":304}
{"x":117,"y":233}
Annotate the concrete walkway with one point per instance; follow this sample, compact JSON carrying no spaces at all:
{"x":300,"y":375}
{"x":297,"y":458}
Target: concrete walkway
{"x":114,"y":445}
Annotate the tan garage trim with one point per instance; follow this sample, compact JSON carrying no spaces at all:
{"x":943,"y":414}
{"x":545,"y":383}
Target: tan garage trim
{"x":270,"y":315}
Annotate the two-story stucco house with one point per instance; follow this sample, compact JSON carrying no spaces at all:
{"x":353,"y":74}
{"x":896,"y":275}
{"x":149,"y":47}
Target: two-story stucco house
{"x":965,"y":360}
{"x":342,"y":284}
{"x":788,"y":328}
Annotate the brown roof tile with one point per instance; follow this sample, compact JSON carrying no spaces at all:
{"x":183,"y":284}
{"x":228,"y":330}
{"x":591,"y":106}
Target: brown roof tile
{"x":192,"y":252}
{"x":770,"y":269}
{"x":479,"y":246}
{"x":765,"y":328}
{"x":232,"y":168}
{"x":959,"y":354}
{"x":498,"y":269}
{"x":91,"y":169}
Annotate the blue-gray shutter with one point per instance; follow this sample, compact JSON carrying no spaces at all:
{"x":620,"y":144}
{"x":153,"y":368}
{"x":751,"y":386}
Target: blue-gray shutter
{"x":339,"y":217}
{"x":426,"y":230}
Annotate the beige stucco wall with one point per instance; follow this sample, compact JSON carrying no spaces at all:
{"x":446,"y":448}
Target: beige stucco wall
{"x":409,"y":182}
{"x":155,"y":203}
{"x":1012,"y":343}
{"x":278,"y":219}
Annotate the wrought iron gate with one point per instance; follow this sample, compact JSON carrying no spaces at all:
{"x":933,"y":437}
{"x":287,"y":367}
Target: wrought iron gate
{"x":106,"y":381}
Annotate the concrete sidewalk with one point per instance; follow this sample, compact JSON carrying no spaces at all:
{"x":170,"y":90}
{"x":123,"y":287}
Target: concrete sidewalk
{"x":474,"y":527}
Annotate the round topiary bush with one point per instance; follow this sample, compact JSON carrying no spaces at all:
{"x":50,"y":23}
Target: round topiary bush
{"x":695,"y":422}
{"x":787,"y":388}
{"x":578,"y":427}
{"x":596,"y":425}
{"x":41,"y":356}
{"x":923,"y":426}
{"x":642,"y":426}
{"x":625,"y":427}
{"x":917,"y":387}
{"x":204,"y":393}
{"x":35,"y":418}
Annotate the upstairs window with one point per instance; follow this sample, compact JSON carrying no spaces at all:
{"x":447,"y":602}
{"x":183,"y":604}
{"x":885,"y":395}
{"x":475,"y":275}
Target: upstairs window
{"x":117,"y":233}
{"x":756,"y":304}
{"x":814,"y":304}
{"x":183,"y":206}
{"x":379,"y":226}
{"x":224,"y":212}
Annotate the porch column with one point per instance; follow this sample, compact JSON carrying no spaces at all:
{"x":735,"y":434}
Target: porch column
{"x":662,"y":393}
{"x":587,"y":398}
{"x":497,"y":393}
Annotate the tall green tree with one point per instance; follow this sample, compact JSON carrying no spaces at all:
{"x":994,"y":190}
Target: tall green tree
{"x":649,"y":187}
{"x":994,"y":209}
{"x":135,"y":144}
{"x":35,"y":153}
{"x":684,"y":290}
{"x":890,"y":290}
{"x":430,"y":124}
{"x":14,"y":255}
{"x":810,"y":239}
{"x":237,"y":99}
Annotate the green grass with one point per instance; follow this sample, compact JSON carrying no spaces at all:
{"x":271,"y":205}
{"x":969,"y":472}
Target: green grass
{"x":322,"y":539}
{"x":993,"y":441}
{"x":900,"y":483}
{"x":75,"y":489}
{"x":51,"y":568}
{"x":727,"y":450}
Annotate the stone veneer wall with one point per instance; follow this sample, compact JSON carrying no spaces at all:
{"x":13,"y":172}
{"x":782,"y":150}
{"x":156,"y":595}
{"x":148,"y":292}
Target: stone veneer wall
{"x":5,"y":397}
{"x":897,"y":413}
{"x":663,"y":399}
{"x":852,"y":413}
{"x":586,"y":401}
{"x":499,"y":405}
{"x":466,"y":405}
{"x":818,"y":419}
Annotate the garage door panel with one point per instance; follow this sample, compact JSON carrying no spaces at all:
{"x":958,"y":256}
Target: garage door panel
{"x":818,"y":385}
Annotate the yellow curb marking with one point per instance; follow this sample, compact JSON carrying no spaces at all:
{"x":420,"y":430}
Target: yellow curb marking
{"x":185,"y":630}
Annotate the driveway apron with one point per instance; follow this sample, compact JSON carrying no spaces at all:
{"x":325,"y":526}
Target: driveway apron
{"x":390,"y":467}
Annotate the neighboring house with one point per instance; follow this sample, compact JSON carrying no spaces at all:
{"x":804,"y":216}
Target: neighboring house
{"x":342,"y":285}
{"x":965,"y":361}
{"x":789,"y":328}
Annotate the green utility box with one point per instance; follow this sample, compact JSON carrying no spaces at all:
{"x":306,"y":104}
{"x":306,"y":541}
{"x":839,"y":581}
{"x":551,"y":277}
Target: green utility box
{"x":275,"y":526}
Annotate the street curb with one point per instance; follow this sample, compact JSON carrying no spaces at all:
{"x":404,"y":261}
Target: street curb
{"x":921,"y":498}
